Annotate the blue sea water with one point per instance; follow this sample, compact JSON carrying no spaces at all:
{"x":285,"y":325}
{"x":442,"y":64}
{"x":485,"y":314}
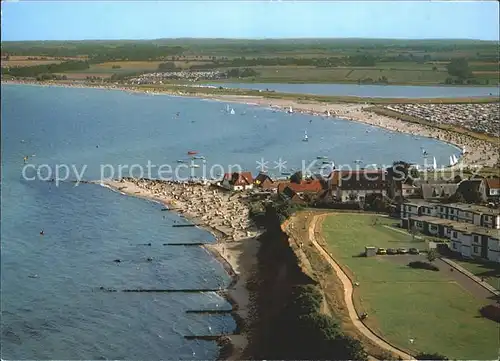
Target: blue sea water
{"x":52,"y":307}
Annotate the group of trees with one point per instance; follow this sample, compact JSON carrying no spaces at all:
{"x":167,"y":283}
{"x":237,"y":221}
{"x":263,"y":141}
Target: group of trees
{"x":168,"y":66}
{"x":356,"y":60}
{"x":241,"y":73}
{"x":301,"y":332}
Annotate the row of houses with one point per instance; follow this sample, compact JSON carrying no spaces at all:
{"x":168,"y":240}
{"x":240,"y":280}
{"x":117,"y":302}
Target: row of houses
{"x":343,"y":186}
{"x":473,"y":231}
{"x":459,"y":212}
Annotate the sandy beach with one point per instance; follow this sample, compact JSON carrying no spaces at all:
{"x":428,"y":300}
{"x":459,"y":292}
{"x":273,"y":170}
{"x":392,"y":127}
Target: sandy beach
{"x":478,"y":153}
{"x":224,"y":215}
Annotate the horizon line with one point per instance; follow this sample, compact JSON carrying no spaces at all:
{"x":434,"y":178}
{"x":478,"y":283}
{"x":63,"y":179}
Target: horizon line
{"x":251,"y":39}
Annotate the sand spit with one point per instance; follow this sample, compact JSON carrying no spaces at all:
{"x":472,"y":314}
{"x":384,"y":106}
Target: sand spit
{"x":477,"y":152}
{"x":224,"y":214}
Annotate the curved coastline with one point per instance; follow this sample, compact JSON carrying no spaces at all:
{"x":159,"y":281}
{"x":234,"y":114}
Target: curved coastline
{"x":478,"y":152}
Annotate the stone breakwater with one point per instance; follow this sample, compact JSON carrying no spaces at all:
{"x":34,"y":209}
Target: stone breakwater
{"x":223,"y":212}
{"x":482,"y":118}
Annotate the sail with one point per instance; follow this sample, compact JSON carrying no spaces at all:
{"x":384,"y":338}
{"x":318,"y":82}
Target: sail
{"x":434,"y":164}
{"x":455,"y":160}
{"x":451,"y":161}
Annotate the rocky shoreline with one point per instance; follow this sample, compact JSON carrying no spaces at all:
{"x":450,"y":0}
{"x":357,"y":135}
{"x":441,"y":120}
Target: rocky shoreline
{"x":224,"y":215}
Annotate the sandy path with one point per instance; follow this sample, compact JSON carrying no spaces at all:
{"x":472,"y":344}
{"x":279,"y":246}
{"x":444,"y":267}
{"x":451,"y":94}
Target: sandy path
{"x":348,"y":291}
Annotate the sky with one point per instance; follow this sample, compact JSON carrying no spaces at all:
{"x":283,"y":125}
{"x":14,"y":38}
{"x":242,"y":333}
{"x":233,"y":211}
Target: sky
{"x":397,"y":19}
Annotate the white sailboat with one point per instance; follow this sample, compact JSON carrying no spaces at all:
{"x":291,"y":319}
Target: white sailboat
{"x":232,"y":111}
{"x":290,"y":110}
{"x":305,"y":139}
{"x":455,"y":159}
{"x":328,"y":113}
{"x":451,"y":161}
{"x":227,"y":108}
{"x":434,"y":163}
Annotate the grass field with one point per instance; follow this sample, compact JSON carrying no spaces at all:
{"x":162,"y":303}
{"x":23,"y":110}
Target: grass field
{"x":21,"y":61}
{"x":396,"y":73}
{"x":405,"y":303}
{"x":491,"y":270}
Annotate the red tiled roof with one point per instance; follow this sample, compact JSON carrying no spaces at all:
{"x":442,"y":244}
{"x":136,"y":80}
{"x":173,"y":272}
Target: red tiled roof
{"x":493,"y":183}
{"x":305,"y":186}
{"x":239,"y":179}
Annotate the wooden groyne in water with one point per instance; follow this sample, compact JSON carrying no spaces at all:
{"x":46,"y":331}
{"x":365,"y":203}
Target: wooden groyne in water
{"x":210,"y":311}
{"x":188,"y":290}
{"x":175,"y":291}
{"x":185,"y":225}
{"x":186,"y":244}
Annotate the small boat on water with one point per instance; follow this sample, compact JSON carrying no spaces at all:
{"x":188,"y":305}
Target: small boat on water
{"x":358,"y":161}
{"x":286,"y":173}
{"x":181,"y":161}
{"x":195,"y":166}
{"x":305,"y":139}
{"x":198,"y":157}
{"x":192,"y":152}
{"x":325,"y":162}
{"x":290,"y":110}
{"x":232,"y":111}
{"x":321,"y":157}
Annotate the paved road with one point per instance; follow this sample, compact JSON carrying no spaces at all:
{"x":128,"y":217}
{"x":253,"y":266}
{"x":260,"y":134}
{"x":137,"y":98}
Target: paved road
{"x":317,"y":219}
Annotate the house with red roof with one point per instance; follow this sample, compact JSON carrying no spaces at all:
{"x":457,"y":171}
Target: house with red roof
{"x":493,"y":187}
{"x":264,"y":181}
{"x":296,"y":191}
{"x":237,"y":181}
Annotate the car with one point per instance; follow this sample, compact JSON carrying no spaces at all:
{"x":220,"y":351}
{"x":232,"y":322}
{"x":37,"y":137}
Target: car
{"x":402,"y":251}
{"x":392,"y":251}
{"x":414,"y":251}
{"x":381,"y":251}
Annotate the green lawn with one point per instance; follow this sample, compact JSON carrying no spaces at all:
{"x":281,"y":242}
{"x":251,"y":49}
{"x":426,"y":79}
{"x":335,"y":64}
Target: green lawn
{"x":405,"y":303}
{"x":490,"y":270}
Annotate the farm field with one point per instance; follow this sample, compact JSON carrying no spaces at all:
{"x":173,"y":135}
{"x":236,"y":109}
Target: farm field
{"x":418,"y":62}
{"x":22,"y":61}
{"x":406,"y":304}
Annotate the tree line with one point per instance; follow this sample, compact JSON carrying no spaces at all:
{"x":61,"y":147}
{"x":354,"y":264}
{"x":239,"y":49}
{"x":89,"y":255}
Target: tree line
{"x":35,"y":70}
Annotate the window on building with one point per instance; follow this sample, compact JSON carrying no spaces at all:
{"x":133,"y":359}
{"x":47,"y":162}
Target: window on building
{"x":476,"y":249}
{"x":454,"y":246}
{"x":455,"y":234}
{"x":476,"y":239}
